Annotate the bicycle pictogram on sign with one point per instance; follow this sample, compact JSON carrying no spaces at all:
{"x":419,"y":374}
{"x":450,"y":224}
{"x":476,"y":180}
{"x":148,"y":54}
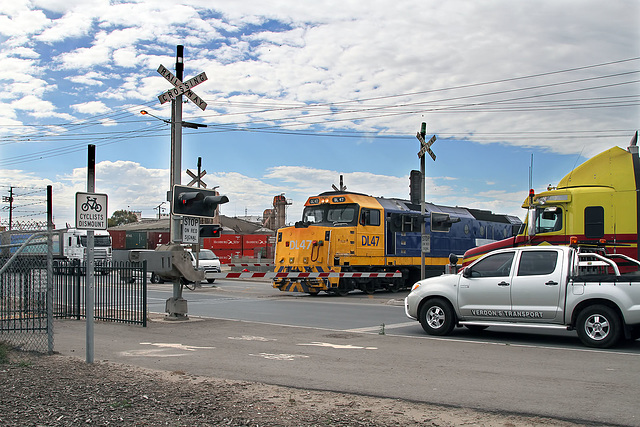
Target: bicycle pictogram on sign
{"x":91,"y":203}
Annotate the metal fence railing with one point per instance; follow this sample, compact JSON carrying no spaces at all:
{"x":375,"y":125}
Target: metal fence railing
{"x":25,"y":317}
{"x":120,"y":291}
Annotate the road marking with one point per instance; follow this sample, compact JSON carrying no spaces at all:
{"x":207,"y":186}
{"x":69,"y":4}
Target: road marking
{"x":285,"y":357}
{"x":150,"y":353}
{"x":176,"y":346}
{"x":250,"y":338}
{"x":340,"y":346}
{"x":377,"y":328}
{"x":161,"y":350}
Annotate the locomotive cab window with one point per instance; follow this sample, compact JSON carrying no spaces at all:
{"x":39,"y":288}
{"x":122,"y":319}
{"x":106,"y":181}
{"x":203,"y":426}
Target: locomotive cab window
{"x":343,"y":214}
{"x":370,"y":217}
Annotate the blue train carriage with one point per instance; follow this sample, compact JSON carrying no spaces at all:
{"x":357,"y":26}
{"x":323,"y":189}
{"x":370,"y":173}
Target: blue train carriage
{"x":355,"y":233}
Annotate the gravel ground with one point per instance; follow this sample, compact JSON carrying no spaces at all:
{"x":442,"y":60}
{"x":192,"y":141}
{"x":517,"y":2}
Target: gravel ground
{"x":63,"y":391}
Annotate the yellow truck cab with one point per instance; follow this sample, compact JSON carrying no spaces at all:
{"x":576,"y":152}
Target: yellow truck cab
{"x":597,"y":203}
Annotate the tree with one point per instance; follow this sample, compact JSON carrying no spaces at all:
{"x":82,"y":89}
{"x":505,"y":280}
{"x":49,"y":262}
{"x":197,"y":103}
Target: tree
{"x":121,"y":217}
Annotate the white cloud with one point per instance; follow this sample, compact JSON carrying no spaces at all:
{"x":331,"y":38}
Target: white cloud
{"x":91,"y":107}
{"x":71,"y":25}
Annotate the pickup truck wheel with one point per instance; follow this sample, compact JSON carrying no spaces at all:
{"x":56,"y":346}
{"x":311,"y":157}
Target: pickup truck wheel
{"x":598,"y":326}
{"x":211,"y":280}
{"x":437,"y":317}
{"x":155,"y":278}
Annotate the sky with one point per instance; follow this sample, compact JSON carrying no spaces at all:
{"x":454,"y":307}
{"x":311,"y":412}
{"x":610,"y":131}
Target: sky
{"x":299,"y":93}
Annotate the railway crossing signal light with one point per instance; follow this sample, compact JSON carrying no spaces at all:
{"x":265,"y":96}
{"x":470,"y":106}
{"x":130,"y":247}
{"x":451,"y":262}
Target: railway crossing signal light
{"x":210,"y":230}
{"x":415,"y":187}
{"x":189,"y":201}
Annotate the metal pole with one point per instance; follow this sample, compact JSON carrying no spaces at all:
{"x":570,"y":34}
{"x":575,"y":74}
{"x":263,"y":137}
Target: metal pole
{"x":89,"y":288}
{"x":49,"y":270}
{"x":176,"y":168}
{"x":176,"y":145}
{"x":10,"y":207}
{"x":423,"y":132}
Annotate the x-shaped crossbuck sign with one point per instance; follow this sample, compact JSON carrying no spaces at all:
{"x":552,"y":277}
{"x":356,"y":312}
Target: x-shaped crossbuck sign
{"x":196,"y":178}
{"x":182,"y":88}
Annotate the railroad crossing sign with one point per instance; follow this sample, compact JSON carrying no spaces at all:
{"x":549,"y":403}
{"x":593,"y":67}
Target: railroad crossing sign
{"x":195,"y":178}
{"x":426,"y":146}
{"x":182,"y":88}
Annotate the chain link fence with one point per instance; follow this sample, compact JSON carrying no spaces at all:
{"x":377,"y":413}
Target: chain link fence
{"x":26,"y":291}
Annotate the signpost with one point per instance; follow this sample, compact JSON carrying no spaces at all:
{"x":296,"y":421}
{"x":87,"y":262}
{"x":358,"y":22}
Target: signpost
{"x":425,"y":147}
{"x":177,"y":306}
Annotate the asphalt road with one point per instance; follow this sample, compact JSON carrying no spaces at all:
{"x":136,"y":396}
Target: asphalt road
{"x":249,"y":331}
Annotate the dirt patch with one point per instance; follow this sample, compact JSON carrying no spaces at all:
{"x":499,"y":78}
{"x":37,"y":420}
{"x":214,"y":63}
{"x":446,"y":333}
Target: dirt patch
{"x":63,"y":391}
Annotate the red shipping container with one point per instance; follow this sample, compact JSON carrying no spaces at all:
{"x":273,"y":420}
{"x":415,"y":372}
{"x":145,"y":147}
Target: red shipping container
{"x":118,"y":239}
{"x":156,"y":238}
{"x":226,"y":242}
{"x":227,"y":256}
{"x":250,"y":241}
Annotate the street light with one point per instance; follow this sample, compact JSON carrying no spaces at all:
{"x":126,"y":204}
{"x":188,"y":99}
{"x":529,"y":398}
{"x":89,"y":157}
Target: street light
{"x":160,"y":208}
{"x":184,"y":124}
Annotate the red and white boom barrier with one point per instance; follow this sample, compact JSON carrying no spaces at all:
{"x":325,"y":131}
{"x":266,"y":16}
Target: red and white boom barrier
{"x":301,"y":275}
{"x":267,"y":264}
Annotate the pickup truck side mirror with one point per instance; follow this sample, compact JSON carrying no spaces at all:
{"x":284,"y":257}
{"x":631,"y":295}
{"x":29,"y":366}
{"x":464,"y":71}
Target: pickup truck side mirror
{"x":466,"y":272}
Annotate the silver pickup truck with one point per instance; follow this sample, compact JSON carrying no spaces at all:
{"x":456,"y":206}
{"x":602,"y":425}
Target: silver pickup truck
{"x":550,"y":286}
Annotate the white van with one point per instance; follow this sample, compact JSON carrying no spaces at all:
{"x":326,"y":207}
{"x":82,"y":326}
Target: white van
{"x":207,"y":261}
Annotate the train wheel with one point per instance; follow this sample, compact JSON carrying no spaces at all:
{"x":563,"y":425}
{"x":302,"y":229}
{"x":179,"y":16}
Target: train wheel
{"x":343,"y":288}
{"x":368,"y":287}
{"x":392,"y":287}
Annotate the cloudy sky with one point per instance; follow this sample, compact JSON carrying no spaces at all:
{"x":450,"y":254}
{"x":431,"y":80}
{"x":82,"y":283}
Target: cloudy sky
{"x":301,"y":92}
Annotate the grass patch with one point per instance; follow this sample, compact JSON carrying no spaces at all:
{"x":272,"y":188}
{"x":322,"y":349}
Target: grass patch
{"x":122,"y":404}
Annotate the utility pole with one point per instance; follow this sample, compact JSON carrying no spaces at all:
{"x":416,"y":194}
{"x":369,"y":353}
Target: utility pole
{"x":423,"y":133}
{"x":9,"y":199}
{"x":159,"y":207}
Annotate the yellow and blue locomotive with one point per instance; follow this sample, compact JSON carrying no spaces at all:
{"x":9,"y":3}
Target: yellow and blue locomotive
{"x":351,"y":232}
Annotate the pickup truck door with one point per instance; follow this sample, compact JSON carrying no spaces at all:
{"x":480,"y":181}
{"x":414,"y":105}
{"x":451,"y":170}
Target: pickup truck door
{"x":536,"y":285}
{"x":484,"y":290}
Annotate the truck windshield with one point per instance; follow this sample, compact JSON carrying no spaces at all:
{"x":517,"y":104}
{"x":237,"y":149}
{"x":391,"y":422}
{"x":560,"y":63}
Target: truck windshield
{"x":331,"y":214}
{"x":97,"y":240}
{"x":548,"y":219}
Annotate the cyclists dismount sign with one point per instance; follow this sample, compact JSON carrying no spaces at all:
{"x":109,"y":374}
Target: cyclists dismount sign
{"x":91,"y":211}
